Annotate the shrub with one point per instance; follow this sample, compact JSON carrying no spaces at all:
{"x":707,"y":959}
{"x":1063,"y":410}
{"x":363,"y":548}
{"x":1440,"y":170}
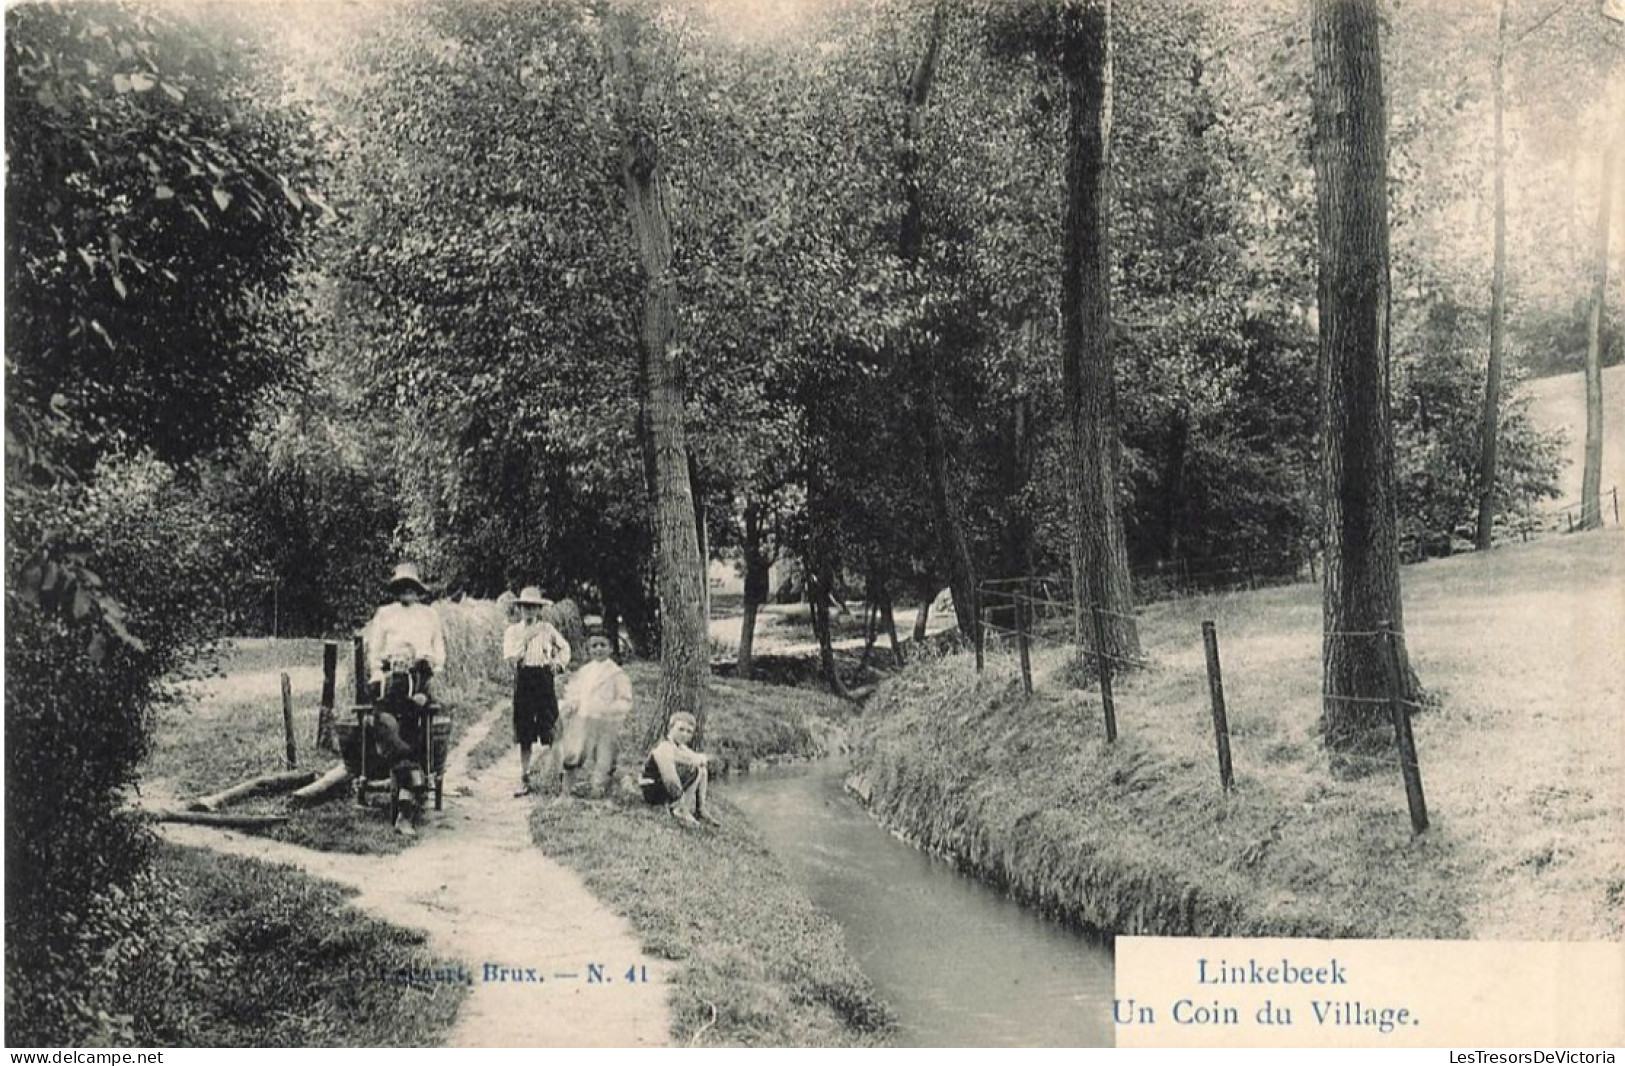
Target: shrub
{"x":77,"y":716}
{"x":1437,"y":431}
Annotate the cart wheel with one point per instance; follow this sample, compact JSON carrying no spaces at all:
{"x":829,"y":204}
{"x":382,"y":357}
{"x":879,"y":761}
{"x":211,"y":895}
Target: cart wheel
{"x":439,"y":790}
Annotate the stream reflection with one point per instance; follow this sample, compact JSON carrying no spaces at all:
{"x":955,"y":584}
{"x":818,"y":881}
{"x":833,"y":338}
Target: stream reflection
{"x":961,"y":964}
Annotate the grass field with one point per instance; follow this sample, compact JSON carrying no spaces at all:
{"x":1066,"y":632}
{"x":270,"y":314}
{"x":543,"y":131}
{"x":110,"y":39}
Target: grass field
{"x":284,"y":961}
{"x":1523,"y":762}
{"x":1559,"y":403}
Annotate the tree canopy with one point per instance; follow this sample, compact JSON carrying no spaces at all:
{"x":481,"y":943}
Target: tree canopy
{"x":528,"y":293}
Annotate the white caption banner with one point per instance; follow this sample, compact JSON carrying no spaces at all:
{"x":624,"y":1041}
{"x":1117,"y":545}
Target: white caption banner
{"x":1199,"y":992}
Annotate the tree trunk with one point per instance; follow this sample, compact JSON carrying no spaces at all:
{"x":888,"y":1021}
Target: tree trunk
{"x":820,"y":581}
{"x":325,"y":787}
{"x":626,"y":604}
{"x":923,"y":372}
{"x":685,"y":661}
{"x":818,"y":556}
{"x":871,"y":621}
{"x":703,"y":537}
{"x":1591,"y":477}
{"x":1016,"y":471}
{"x":1490,"y":427}
{"x":609,"y":605}
{"x":920,"y":618}
{"x":1173,"y":486}
{"x":1361,"y":588}
{"x":757,"y":571}
{"x":282,"y":781}
{"x":639,"y":611}
{"x":1099,"y":555}
{"x":219,"y":821}
{"x":887,"y":620}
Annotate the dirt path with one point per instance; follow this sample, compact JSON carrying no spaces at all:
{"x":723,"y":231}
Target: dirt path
{"x":486,"y":896}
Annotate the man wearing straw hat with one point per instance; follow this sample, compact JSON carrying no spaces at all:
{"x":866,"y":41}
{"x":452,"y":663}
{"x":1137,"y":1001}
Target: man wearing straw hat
{"x":538,"y":652}
{"x":407,"y":632}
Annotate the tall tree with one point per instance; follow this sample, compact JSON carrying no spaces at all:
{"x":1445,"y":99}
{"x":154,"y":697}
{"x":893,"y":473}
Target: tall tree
{"x":924,"y":373}
{"x":1591,"y":477}
{"x":1100,"y":574}
{"x":1357,"y":458}
{"x":685,"y":660}
{"x":1490,"y":426}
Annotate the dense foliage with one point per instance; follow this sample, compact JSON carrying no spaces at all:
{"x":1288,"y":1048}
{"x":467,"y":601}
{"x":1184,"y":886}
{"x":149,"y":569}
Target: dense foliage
{"x":488,"y":292}
{"x":213,"y":405}
{"x":150,"y":230}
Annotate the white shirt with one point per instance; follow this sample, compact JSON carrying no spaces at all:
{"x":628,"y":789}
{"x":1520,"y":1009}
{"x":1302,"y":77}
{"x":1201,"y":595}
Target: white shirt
{"x":535,"y":644}
{"x":600,"y":689}
{"x":401,"y":628}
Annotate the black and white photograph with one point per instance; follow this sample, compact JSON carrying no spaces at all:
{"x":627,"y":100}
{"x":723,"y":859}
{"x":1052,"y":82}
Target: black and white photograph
{"x":814,"y":524}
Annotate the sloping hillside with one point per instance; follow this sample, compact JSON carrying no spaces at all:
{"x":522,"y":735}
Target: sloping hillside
{"x":1560,"y":403}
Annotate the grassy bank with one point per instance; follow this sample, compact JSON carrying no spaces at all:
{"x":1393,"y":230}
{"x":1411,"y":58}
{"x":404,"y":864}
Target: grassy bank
{"x":1522,"y":761}
{"x":759,"y":965}
{"x":282,"y":961}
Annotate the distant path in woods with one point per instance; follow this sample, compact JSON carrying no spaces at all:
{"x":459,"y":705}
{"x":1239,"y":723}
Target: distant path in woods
{"x":485,"y":894}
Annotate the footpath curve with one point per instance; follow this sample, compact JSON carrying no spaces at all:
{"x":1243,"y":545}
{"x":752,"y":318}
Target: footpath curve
{"x":487,"y":897}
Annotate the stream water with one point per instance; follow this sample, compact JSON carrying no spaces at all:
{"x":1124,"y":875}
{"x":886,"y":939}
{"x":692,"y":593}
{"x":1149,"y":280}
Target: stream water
{"x":961,"y":964}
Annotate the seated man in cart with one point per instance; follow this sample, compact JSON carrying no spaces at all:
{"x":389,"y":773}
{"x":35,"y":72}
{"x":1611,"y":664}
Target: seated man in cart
{"x":406,"y":646}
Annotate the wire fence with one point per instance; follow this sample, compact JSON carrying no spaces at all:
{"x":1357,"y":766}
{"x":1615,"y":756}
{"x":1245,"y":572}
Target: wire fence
{"x":1173,"y":578}
{"x":1239,"y":571}
{"x":1015,"y":615}
{"x":1569,"y":516}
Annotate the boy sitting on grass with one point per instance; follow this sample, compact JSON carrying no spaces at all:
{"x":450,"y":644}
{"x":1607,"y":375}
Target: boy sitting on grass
{"x":674,"y":771}
{"x":599,"y":698}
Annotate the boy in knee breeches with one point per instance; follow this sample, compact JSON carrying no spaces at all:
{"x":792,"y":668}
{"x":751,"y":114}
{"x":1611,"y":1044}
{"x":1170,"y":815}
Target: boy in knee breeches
{"x":539,"y":653}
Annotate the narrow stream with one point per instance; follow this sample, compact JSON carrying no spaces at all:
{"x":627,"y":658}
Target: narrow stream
{"x":961,"y":964}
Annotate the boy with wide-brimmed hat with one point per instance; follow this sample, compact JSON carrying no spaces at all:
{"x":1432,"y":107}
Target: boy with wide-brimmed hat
{"x":539,"y":653}
{"x":405,"y":638}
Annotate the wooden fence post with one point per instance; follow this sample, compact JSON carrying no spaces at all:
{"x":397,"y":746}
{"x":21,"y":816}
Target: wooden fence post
{"x":324,"y":717}
{"x":287,"y":722}
{"x":981,"y":628}
{"x":1402,"y":732}
{"x":1021,"y":641}
{"x":361,"y":671}
{"x":1215,"y":687}
{"x":1103,"y":663}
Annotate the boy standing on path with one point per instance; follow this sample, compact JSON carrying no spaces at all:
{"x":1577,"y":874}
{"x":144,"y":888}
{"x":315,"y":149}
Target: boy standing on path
{"x":601,"y":694}
{"x":538,"y":652}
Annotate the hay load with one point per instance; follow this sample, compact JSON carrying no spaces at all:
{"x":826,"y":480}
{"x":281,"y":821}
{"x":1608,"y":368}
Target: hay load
{"x":565,"y":616}
{"x":473,"y":644}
